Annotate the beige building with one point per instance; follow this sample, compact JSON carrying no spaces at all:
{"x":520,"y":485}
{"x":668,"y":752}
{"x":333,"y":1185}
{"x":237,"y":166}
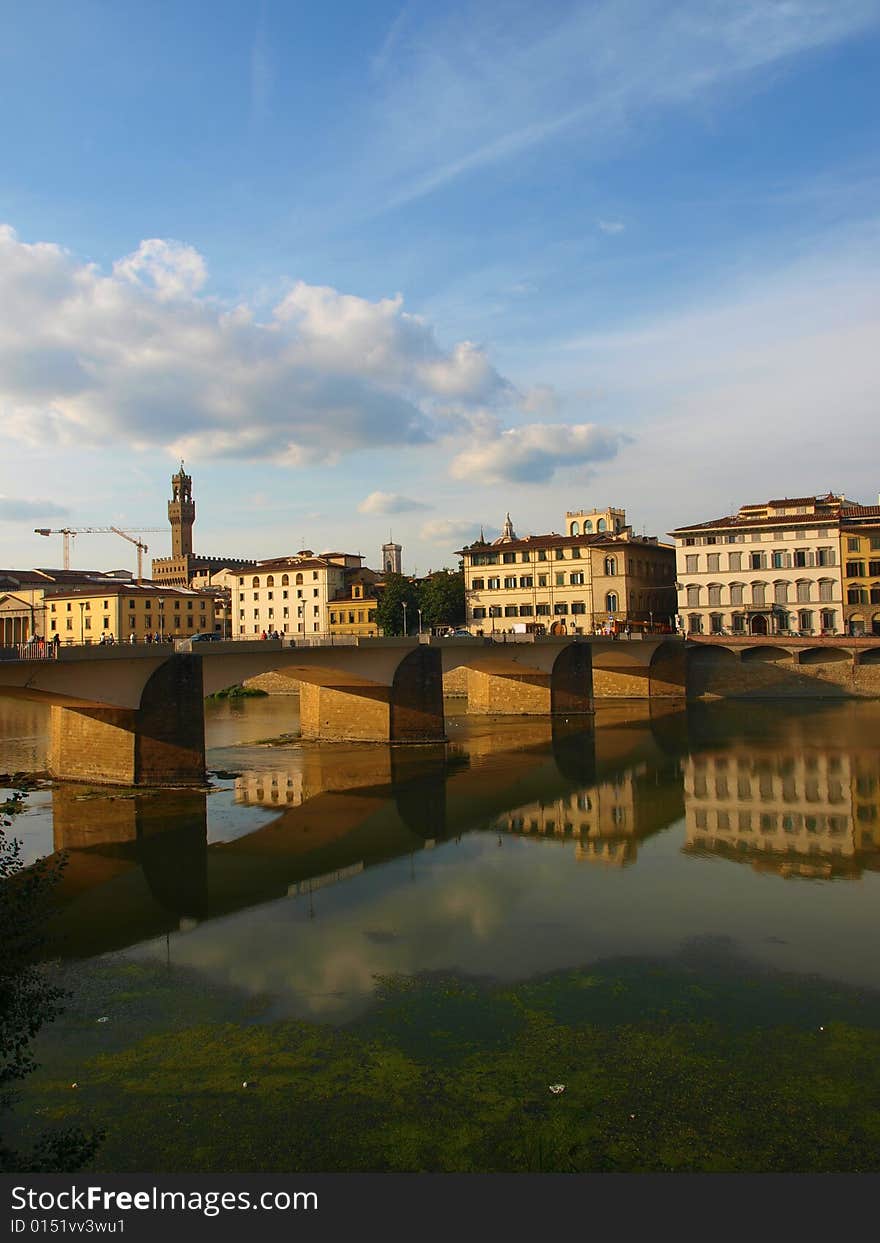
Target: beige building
{"x":290,"y":595}
{"x":803,"y":811}
{"x":771,"y":568}
{"x":598,"y":575}
{"x":353,"y":609}
{"x":118,"y":610}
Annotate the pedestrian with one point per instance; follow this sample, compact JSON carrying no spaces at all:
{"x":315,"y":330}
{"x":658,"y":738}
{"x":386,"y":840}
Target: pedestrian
{"x":149,"y":637}
{"x":263,"y":635}
{"x":56,"y":642}
{"x":132,"y":638}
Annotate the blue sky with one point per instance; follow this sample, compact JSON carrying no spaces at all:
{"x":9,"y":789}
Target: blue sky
{"x":408,"y":266}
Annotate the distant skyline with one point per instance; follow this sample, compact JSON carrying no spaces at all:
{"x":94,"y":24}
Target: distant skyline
{"x":405,"y":267}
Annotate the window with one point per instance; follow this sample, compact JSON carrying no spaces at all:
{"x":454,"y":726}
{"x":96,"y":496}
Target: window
{"x":559,"y":553}
{"x":494,"y":610}
{"x":611,"y":602}
{"x":826,"y":589}
{"x":800,"y":558}
{"x":510,"y":610}
{"x":695,"y":624}
{"x":255,"y":582}
{"x":874,"y":569}
{"x":736,"y":593}
{"x":579,"y":607}
{"x":756,"y":561}
{"x":478,"y":584}
{"x":526,"y":581}
{"x":560,"y":609}
{"x":525,"y":610}
{"x":601,"y":525}
{"x":577,"y":580}
{"x":855,"y":569}
{"x":828,"y":618}
{"x":510,"y":582}
{"x":715,"y":623}
{"x":714,"y":562}
{"x":542,"y":554}
{"x":542,"y":580}
{"x":780,"y":592}
{"x":560,"y":580}
{"x":270,"y":581}
{"x":693,"y":596}
{"x":479,"y":614}
{"x":692,"y":563}
{"x":575,"y":554}
{"x":734,"y":560}
{"x":494,"y":584}
{"x":542,"y":610}
{"x":285,"y":581}
{"x":857,"y":595}
{"x":298,"y":580}
{"x":524,"y":557}
{"x":803,"y":590}
{"x":759,"y":593}
{"x":715,"y":595}
{"x":824,"y":556}
{"x":853,"y":543}
{"x":508,"y":558}
{"x":689,"y":542}
{"x":610,"y":566}
{"x":575,"y":528}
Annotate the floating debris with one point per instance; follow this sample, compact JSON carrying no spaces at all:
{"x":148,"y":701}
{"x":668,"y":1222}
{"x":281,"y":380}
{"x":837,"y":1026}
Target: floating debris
{"x":103,"y":1019}
{"x":557,"y":1088}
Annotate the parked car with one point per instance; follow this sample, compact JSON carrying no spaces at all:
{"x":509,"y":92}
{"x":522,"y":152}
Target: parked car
{"x":207,"y":636}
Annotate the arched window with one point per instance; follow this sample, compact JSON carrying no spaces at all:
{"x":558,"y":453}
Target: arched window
{"x":270,"y":581}
{"x":255,"y":582}
{"x":298,"y":579}
{"x":759,"y":593}
{"x":611,"y":602}
{"x":588,"y":527}
{"x":610,"y":565}
{"x":285,"y":580}
{"x":575,"y":528}
{"x":601,"y":525}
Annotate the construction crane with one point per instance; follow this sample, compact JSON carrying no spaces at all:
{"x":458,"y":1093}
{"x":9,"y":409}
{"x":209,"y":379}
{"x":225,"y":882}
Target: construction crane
{"x":71,"y":532}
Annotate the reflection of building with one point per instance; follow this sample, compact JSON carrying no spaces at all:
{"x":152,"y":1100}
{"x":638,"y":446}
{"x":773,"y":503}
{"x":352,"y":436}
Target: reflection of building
{"x":606,"y":821}
{"x":806,"y":811}
{"x":860,"y":558}
{"x":598,"y":573}
{"x":771,"y":568}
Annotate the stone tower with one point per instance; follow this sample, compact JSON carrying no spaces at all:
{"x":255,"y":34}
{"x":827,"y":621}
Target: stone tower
{"x":181,"y":513}
{"x":391,"y":563}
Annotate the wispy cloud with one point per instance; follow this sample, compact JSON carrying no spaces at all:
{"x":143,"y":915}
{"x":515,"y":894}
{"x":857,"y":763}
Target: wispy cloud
{"x":483,"y":85}
{"x":610,"y":226}
{"x":14,"y":509}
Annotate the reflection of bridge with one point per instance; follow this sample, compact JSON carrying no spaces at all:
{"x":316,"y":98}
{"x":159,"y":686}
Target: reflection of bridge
{"x":135,"y":716}
{"x":130,"y":878}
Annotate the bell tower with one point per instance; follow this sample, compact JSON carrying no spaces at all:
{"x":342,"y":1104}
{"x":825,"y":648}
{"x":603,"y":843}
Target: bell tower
{"x":181,"y":513}
{"x":391,"y":563}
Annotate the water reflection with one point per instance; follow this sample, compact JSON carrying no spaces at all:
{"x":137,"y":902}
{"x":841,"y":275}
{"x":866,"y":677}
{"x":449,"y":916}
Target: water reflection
{"x":338,"y":864}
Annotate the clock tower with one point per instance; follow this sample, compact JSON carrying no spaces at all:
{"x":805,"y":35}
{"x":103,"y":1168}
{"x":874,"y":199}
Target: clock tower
{"x":181,"y":513}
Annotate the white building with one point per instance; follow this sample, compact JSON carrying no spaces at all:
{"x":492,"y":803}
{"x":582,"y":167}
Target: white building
{"x":289,"y":595}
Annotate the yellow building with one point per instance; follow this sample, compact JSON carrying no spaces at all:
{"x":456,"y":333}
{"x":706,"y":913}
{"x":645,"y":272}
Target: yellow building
{"x":116,"y":611}
{"x":353,"y":610}
{"x":599,"y":575}
{"x":24,"y":596}
{"x":860,"y":560}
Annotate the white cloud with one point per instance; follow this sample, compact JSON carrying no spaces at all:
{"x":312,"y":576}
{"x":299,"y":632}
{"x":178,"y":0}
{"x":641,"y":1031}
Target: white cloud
{"x":533,"y":453}
{"x":388,"y":503}
{"x":140,"y":355}
{"x":611,"y":226}
{"x":449,"y":531}
{"x":14,"y":508}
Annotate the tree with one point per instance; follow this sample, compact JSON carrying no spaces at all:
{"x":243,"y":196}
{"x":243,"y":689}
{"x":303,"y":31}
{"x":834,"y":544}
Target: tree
{"x":27,"y":999}
{"x":441,"y":599}
{"x":398,"y":590}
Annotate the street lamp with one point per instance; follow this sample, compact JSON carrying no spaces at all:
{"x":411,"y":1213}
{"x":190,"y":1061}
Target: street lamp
{"x":420,"y":620}
{"x":403,"y":602}
{"x":82,"y":607}
{"x":651,"y":623}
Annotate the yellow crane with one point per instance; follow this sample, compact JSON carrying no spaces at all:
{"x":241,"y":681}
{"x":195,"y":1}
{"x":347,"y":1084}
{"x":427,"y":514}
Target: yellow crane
{"x":70,"y":533}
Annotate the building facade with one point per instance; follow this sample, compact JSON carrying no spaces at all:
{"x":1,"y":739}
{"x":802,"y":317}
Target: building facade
{"x":860,"y":558}
{"x":353,"y":609}
{"x":592,"y":578}
{"x":772,"y":568}
{"x":291,"y":596}
{"x":24,"y":596}
{"x":115,"y":611}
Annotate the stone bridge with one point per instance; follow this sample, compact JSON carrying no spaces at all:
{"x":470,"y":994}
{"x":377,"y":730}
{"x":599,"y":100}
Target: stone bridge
{"x":135,"y":715}
{"x":733,"y":667}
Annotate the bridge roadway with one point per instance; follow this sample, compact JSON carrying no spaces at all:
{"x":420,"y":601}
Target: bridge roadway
{"x":134,"y":715}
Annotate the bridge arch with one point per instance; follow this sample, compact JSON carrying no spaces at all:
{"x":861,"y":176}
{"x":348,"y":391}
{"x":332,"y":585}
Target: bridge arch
{"x":824,"y":656}
{"x":768,"y":654}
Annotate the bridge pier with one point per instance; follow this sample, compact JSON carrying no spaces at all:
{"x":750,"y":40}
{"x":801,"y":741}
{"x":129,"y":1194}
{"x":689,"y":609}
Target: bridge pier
{"x":408,"y":709}
{"x":161,"y":743}
{"x":517,"y":688}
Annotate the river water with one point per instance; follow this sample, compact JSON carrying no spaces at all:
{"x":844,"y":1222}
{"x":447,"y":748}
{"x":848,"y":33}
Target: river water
{"x":307,"y":872}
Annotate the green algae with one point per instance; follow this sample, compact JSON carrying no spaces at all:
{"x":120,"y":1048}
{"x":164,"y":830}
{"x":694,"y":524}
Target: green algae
{"x":667,"y":1067}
